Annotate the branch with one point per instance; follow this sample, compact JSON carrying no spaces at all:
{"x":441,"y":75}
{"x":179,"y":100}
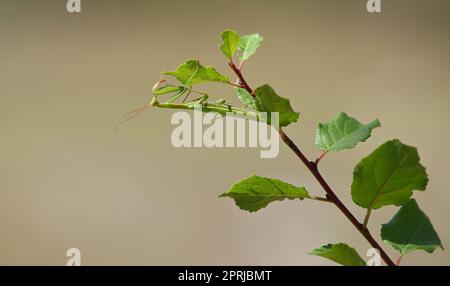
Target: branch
{"x":242,"y":80}
{"x":312,"y":167}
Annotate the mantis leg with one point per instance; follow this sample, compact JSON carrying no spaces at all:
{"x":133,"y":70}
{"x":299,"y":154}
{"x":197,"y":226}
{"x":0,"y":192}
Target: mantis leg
{"x":189,"y":92}
{"x":177,"y":95}
{"x":203,"y":99}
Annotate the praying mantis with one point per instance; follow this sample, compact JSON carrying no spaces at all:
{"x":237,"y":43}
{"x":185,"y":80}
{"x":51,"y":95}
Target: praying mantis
{"x":162,"y":88}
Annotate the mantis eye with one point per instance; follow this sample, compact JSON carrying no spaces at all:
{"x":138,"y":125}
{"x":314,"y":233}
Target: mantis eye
{"x":158,"y":84}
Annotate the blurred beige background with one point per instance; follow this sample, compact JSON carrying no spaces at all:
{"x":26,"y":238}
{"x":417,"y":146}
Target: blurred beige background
{"x":68,"y":180}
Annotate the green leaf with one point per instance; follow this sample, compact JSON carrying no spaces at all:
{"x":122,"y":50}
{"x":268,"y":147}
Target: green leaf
{"x":230,"y":43}
{"x":343,"y":132}
{"x":248,"y":45}
{"x":192,"y":72}
{"x":410,"y":229}
{"x":340,"y":253}
{"x":246,"y":97}
{"x":388,"y":176}
{"x":268,"y":101}
{"x":254,"y":193}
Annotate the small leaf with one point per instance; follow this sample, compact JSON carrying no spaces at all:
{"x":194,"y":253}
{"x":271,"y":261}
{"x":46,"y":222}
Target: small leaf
{"x":268,"y":101}
{"x":410,"y":229}
{"x":340,"y":253}
{"x":388,"y":176}
{"x":245,"y":97}
{"x":230,"y":43}
{"x":254,"y":193}
{"x":248,"y":45}
{"x":343,"y":132}
{"x":192,"y":72}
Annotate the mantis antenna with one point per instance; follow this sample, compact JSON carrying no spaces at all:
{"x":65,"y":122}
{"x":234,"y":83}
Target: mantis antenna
{"x":132,"y":114}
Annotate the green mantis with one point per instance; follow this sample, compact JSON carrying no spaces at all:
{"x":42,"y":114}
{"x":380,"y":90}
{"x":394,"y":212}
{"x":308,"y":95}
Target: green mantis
{"x":163,"y":88}
{"x":220,"y":106}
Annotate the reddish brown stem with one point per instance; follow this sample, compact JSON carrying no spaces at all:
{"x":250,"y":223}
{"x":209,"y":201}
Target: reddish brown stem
{"x":242,"y":80}
{"x":241,"y":65}
{"x":235,"y":84}
{"x":398,"y":259}
{"x":320,"y":157}
{"x":312,"y":167}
